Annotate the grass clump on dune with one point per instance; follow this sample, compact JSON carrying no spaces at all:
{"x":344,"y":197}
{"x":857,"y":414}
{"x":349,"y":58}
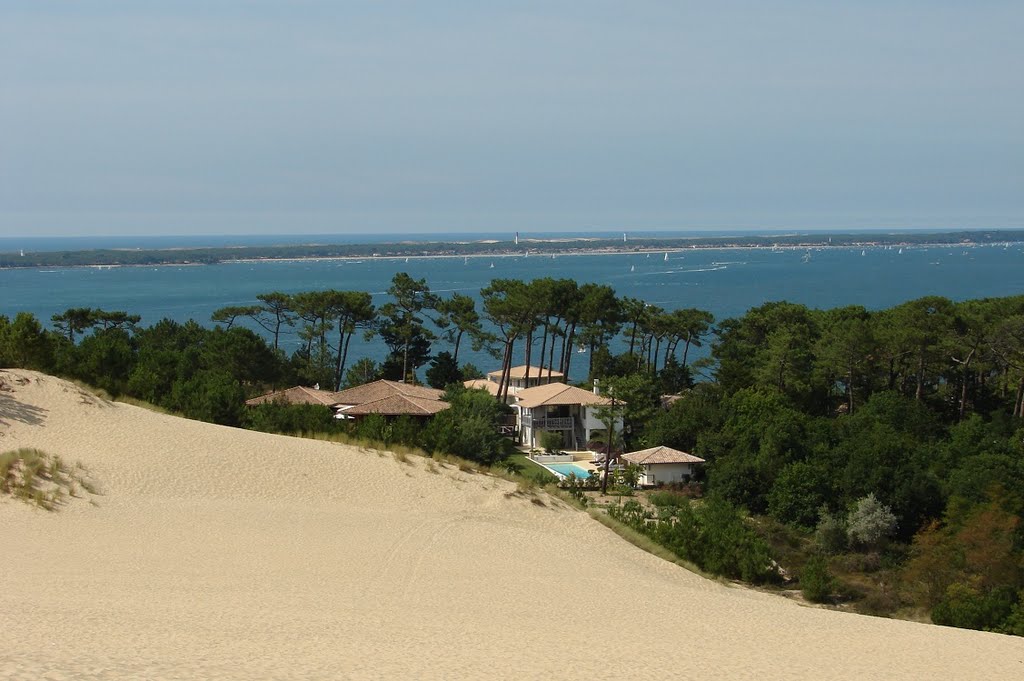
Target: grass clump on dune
{"x":40,"y":478}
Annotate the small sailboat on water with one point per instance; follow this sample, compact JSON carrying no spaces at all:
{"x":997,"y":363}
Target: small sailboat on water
{"x":632,"y":268}
{"x":492,"y":265}
{"x":666,"y":256}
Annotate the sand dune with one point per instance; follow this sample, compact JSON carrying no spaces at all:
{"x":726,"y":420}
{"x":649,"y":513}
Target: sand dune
{"x":216,"y":553}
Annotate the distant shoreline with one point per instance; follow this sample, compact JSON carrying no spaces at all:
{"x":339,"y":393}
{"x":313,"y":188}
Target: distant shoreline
{"x":492,"y":248}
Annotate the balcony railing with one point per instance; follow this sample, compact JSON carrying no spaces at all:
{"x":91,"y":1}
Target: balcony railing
{"x":553,"y":423}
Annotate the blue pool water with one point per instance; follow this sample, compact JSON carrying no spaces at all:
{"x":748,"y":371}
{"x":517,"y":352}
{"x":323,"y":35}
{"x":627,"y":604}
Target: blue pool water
{"x":567,"y":468}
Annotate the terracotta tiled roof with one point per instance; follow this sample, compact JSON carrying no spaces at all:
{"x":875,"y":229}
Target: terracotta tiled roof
{"x":559,"y":394}
{"x":297,"y":395}
{"x":377,"y":390}
{"x":482,"y":383}
{"x":391,"y":398}
{"x":520,"y":372}
{"x":661,"y":455}
{"x":397,"y":405}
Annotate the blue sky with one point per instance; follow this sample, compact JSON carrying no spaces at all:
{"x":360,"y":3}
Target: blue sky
{"x":350,"y":117}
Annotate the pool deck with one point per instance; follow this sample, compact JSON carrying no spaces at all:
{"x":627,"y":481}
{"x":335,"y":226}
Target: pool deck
{"x":582,"y":459}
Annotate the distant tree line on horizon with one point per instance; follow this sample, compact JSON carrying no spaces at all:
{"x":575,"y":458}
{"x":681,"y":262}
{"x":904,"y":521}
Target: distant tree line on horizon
{"x":891,"y":440}
{"x":215,"y":255}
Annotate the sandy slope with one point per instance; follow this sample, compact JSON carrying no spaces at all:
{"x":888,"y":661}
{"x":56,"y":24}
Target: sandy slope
{"x":220,"y":553}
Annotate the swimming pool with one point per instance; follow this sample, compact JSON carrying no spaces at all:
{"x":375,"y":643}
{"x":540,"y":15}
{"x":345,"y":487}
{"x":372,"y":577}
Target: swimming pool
{"x":565,"y":469}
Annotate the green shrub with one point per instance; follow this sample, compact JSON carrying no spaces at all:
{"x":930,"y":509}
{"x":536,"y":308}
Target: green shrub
{"x":870,"y":523}
{"x":1014,"y":624}
{"x":966,"y":607}
{"x":816,"y":582}
{"x":551,"y":441}
{"x":712,"y":534}
{"x":290,"y":418}
{"x":668,"y":499}
{"x":831,"y":532}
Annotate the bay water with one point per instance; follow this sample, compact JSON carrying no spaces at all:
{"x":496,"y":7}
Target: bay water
{"x":725,"y":282}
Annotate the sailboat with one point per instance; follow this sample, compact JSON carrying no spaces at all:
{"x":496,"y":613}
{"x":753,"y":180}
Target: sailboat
{"x":666,"y":256}
{"x":492,"y":265}
{"x":807,"y":257}
{"x":632,"y":268}
{"x":901,"y":252}
{"x":465,"y":261}
{"x":407,"y":259}
{"x":863,"y":252}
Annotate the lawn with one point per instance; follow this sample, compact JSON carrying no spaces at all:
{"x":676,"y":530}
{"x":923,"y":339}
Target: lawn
{"x":531,"y":470}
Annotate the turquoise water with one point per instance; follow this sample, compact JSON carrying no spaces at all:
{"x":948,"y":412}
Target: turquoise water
{"x":725,"y":282}
{"x":567,"y":468}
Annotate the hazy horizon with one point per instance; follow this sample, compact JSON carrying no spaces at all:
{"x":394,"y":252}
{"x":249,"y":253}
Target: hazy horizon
{"x":246,"y":118}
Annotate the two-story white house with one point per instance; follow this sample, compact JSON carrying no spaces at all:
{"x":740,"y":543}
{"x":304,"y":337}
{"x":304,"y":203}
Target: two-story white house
{"x":561,"y":408}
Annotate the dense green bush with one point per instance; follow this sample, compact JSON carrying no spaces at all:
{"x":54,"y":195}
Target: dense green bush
{"x":290,"y":418}
{"x":469,"y":428}
{"x":831,"y":532}
{"x":966,"y":607}
{"x":713,"y":534}
{"x":870,"y":523}
{"x":797,"y":494}
{"x":816,"y":582}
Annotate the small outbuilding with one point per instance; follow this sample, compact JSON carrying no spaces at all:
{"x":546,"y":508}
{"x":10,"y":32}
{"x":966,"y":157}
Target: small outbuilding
{"x":663,"y":465}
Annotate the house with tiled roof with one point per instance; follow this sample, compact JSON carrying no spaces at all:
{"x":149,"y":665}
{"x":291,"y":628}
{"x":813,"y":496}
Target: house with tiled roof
{"x":389,"y":398}
{"x":300,"y":394}
{"x":663,"y":465}
{"x":560,"y":408}
{"x":520,"y":378}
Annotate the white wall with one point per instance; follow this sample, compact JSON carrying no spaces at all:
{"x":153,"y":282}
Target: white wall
{"x":591,"y":422}
{"x":659,"y":473}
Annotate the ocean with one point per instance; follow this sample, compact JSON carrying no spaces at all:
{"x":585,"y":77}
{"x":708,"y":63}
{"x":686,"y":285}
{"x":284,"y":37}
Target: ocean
{"x":727,"y":282}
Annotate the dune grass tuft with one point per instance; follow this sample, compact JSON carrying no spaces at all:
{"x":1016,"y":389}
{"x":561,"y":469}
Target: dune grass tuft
{"x":40,"y":478}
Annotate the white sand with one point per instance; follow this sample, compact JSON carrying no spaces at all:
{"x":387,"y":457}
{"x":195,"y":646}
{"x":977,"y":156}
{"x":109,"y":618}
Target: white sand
{"x":217,"y":553}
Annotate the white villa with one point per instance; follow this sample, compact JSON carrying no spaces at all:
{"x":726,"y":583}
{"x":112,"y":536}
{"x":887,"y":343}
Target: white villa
{"x":558,"y":407}
{"x":662,"y":465}
{"x":517,"y":380}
